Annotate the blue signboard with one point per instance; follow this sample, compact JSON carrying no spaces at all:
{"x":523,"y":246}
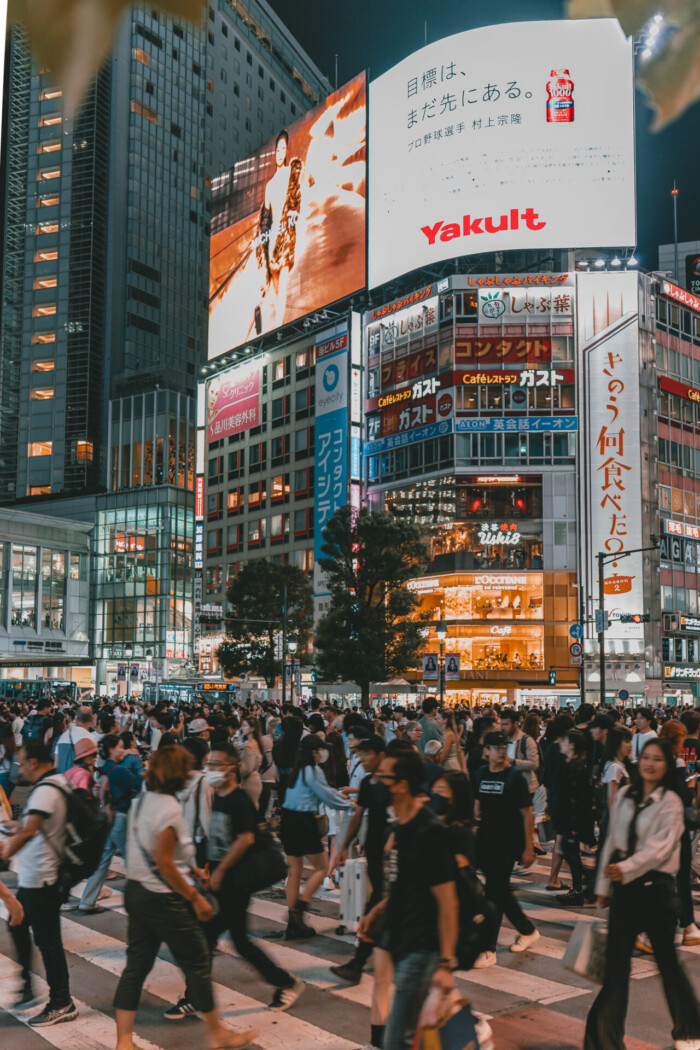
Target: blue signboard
{"x":553,"y":424}
{"x":331,"y":434}
{"x":384,"y":444}
{"x":198,"y":544}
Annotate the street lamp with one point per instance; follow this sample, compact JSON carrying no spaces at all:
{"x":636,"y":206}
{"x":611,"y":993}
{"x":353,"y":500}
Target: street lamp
{"x":441,"y":632}
{"x":292,"y":646}
{"x":128,"y":653}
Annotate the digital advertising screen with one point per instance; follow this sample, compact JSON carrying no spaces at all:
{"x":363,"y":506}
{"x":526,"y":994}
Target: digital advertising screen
{"x":288,"y":223}
{"x":516,"y":136}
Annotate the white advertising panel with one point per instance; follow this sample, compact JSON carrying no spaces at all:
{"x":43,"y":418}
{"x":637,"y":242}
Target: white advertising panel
{"x":507,"y":137}
{"x":609,"y":343}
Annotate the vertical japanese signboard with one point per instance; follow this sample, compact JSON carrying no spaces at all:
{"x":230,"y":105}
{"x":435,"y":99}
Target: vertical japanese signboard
{"x":331,"y":435}
{"x":609,"y":351}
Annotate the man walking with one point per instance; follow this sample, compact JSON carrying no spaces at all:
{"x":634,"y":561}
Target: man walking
{"x":504,"y":810}
{"x":38,"y":844}
{"x":430,"y":730}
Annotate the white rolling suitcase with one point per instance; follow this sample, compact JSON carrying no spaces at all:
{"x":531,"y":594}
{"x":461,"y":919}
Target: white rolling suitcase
{"x":353,"y":894}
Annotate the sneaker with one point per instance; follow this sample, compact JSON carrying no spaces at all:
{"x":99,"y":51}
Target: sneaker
{"x":522,"y":869}
{"x":349,"y":971}
{"x":329,"y":885}
{"x":70,"y":906}
{"x":25,"y":997}
{"x":183,"y":1009}
{"x":96,"y":909}
{"x":53,"y":1015}
{"x":643,"y":944}
{"x":524,"y":940}
{"x":286,"y":997}
{"x":691,"y":935}
{"x":572,"y":899}
{"x":485,"y":960}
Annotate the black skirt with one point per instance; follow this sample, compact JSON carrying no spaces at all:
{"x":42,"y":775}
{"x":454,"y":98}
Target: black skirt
{"x":299,"y":835}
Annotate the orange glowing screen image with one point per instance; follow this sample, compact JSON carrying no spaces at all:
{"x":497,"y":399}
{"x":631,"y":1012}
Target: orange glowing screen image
{"x":288,"y":223}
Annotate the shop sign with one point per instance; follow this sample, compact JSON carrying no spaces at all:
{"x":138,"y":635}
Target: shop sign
{"x":528,"y":424}
{"x":199,"y":498}
{"x":681,"y":389}
{"x":681,"y":296}
{"x":681,"y":528}
{"x":690,"y":623}
{"x":679,"y":671}
{"x":400,"y":440}
{"x":497,"y":534}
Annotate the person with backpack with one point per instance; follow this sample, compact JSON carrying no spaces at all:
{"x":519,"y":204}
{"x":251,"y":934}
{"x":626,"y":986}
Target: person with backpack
{"x":232,"y":837}
{"x":36,"y":846}
{"x":81,"y":730}
{"x":504,"y":810}
{"x":117,"y":787}
{"x":38,"y":723}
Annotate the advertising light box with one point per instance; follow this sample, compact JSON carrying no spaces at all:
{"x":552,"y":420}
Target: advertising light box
{"x":513,"y":136}
{"x":288,"y":223}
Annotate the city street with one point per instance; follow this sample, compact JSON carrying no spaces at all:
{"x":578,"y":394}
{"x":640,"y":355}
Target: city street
{"x":530,"y":1000}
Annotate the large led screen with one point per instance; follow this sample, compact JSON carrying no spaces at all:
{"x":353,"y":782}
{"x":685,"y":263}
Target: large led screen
{"x":513,"y":136}
{"x":288,"y":223}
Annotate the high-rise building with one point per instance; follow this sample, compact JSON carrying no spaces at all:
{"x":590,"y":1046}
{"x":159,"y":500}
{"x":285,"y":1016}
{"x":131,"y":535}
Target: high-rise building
{"x":105,"y":243}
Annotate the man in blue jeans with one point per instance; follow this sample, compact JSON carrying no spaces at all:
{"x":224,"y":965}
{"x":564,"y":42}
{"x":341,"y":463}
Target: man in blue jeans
{"x":420,"y":913}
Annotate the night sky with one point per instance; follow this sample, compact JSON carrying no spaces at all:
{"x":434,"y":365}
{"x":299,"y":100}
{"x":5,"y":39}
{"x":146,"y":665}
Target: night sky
{"x":375,"y":34}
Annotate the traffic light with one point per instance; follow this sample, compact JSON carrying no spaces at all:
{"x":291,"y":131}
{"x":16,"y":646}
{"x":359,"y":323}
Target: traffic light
{"x":635,"y":618}
{"x":552,"y":677}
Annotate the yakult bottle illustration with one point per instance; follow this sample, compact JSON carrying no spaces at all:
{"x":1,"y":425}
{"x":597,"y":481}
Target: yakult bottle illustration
{"x":560,"y":97}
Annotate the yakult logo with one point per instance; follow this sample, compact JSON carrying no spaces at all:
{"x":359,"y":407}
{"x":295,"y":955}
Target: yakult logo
{"x":483,"y":224}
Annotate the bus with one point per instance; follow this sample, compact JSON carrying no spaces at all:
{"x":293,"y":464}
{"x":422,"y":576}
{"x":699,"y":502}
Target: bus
{"x":179,"y":691}
{"x":38,"y":689}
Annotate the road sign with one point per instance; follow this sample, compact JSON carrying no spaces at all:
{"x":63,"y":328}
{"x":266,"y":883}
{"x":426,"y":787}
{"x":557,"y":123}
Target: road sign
{"x":602,"y":620}
{"x":623,"y":694}
{"x":576,"y":630}
{"x":575,"y":648}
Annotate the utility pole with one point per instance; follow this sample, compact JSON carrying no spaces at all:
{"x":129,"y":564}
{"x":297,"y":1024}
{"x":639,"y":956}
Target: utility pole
{"x":601,"y":632}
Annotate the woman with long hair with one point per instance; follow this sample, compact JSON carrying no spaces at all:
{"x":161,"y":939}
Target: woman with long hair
{"x":638,"y":867}
{"x":55,"y":730}
{"x":617,"y":748}
{"x":251,"y":758}
{"x":336,"y":770}
{"x":554,"y":770}
{"x":301,"y":835}
{"x":284,"y":752}
{"x":8,"y":763}
{"x":451,"y":756}
{"x":163,"y":904}
{"x":576,"y":814}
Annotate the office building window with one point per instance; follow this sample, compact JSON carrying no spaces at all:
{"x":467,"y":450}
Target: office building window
{"x":45,"y":282}
{"x":47,"y":200}
{"x":140,"y":56}
{"x":41,"y":393}
{"x":49,"y":119}
{"x":40,"y":448}
{"x":46,"y":227}
{"x":45,"y":254}
{"x":48,"y":173}
{"x":53,"y":588}
{"x":46,"y":365}
{"x":49,"y":92}
{"x":43,"y":337}
{"x":39,"y":490}
{"x":24,"y":561}
{"x":144,"y":111}
{"x":44,"y":310}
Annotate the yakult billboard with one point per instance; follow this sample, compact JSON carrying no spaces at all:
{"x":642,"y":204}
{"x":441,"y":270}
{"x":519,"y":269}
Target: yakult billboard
{"x":507,"y":137}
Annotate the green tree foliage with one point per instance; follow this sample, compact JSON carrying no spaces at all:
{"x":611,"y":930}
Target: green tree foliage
{"x":372,"y":629}
{"x":257,"y":595}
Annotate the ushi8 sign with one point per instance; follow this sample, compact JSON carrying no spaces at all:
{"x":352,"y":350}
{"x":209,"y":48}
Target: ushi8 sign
{"x":506,"y":137}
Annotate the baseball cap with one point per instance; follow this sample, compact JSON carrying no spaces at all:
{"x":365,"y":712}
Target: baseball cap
{"x":197,"y":725}
{"x":312,"y":742}
{"x":496,"y":739}
{"x":602,"y":721}
{"x":372,"y":743}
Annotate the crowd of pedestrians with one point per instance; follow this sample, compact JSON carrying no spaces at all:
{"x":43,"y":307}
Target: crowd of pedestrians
{"x":209,"y":804}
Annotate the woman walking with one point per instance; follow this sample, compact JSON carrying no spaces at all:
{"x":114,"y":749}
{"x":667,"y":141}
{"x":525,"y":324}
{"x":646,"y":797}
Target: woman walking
{"x":251,"y":758}
{"x":638,"y":867}
{"x":300,"y":833}
{"x":451,"y":755}
{"x":164,"y":905}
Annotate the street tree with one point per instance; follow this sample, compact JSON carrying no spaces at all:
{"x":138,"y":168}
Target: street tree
{"x":372,"y":629}
{"x":254,"y":618}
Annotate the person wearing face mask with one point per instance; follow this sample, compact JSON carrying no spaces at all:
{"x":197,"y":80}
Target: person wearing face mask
{"x":232,"y":825}
{"x":307,"y":791}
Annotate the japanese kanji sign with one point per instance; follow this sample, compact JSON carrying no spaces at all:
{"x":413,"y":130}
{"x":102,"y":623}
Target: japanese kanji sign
{"x":609,"y":331}
{"x":331,"y":436}
{"x":464,"y":159}
{"x":233,"y":402}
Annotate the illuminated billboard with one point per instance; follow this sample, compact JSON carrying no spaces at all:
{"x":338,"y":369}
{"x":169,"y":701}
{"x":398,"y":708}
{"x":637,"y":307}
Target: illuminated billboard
{"x":233,"y":402}
{"x":512,"y":136}
{"x":288,"y":223}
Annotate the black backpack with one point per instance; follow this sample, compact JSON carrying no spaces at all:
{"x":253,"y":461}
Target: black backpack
{"x":87,"y":828}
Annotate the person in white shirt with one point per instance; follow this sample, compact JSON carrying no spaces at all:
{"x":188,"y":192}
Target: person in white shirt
{"x":637,"y":877}
{"x":36,"y":847}
{"x":82,"y":730}
{"x":645,"y":731}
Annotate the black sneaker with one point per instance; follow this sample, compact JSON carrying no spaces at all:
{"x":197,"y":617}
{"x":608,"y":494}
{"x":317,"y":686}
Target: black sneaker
{"x":178,"y":1013}
{"x":53,"y":1015}
{"x":572,"y":899}
{"x":349,"y":971}
{"x":25,"y":997}
{"x":286,"y":997}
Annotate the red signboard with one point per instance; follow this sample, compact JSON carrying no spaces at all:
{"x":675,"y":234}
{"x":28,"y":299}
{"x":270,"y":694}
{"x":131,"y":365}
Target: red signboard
{"x":332,"y":346}
{"x":401,"y":304}
{"x":233,"y":402}
{"x":682,"y":389}
{"x":123,"y":543}
{"x":681,"y":296}
{"x":199,"y":498}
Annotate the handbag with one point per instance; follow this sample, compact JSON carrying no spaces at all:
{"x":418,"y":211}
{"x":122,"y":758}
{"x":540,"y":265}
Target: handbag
{"x":322,"y":824}
{"x":198,"y":837}
{"x":586,"y":950}
{"x":456,"y":1029}
{"x":262,"y":866}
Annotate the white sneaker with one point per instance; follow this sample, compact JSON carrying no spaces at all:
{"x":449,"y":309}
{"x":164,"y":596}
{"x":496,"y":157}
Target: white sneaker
{"x":643,"y":944}
{"x":691,"y":935}
{"x":686,"y":1044}
{"x":524,"y":940}
{"x":328,"y":884}
{"x":485,"y":960}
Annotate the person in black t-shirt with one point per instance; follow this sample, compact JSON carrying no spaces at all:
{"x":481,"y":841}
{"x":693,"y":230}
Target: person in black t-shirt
{"x":421,"y":913}
{"x":373,"y":799}
{"x":231,"y":834}
{"x":504,"y":810}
